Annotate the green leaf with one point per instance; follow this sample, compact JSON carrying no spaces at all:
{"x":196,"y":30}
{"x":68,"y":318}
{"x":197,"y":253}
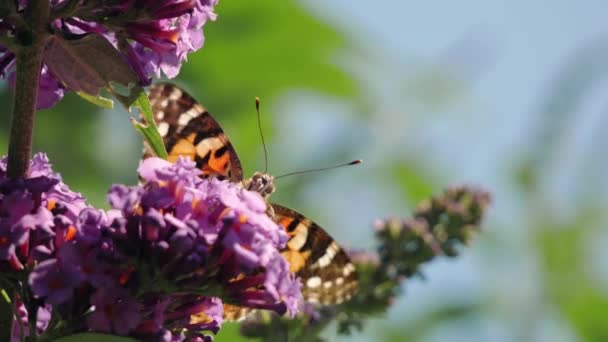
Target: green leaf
{"x":571,"y":287}
{"x":92,"y":337}
{"x":147,"y":128}
{"x":97,"y":100}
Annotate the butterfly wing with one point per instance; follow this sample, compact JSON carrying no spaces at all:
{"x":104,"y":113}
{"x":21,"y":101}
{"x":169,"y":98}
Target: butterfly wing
{"x":328,"y":276}
{"x":189,"y":130}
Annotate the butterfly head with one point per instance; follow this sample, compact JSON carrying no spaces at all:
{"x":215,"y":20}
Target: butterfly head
{"x":262,"y":183}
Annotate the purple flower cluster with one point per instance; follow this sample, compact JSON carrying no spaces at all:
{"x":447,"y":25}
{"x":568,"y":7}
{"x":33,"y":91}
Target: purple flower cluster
{"x":37,"y":215}
{"x":153,"y":36}
{"x":160,"y":265}
{"x":161,"y":40}
{"x":210,"y":232}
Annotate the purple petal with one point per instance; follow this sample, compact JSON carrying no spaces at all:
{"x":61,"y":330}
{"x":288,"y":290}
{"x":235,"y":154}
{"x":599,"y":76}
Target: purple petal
{"x":148,"y":167}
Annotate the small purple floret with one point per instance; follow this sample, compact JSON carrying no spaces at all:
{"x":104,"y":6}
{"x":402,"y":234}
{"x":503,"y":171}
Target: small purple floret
{"x":55,"y":280}
{"x":115,"y":312}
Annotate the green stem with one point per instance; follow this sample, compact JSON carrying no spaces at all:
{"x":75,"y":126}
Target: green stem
{"x":14,"y":315}
{"x":29,"y":64}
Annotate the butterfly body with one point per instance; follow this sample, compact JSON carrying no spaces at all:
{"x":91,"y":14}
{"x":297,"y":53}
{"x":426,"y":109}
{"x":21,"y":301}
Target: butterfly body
{"x":262,"y":183}
{"x":328,"y":277}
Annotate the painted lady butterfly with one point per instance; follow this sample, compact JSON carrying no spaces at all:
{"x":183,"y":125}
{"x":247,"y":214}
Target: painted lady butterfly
{"x":327,"y":275}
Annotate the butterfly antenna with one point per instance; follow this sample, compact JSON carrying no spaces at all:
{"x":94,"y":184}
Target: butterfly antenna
{"x":354,"y":162}
{"x":257,"y":109}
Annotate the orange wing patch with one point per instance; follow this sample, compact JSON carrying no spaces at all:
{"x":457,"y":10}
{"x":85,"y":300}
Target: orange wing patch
{"x":183,"y":147}
{"x":210,"y":154}
{"x":217,"y":165}
{"x":214,"y":155}
{"x":297,"y":260}
{"x":285,"y":221}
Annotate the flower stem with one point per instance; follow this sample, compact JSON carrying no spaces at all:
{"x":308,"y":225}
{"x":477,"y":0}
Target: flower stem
{"x":29,"y":63}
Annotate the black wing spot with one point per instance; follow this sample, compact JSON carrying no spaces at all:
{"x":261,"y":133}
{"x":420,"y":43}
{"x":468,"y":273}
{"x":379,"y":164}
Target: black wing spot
{"x":220,"y":151}
{"x":200,"y":162}
{"x":316,"y":244}
{"x":292,"y":225}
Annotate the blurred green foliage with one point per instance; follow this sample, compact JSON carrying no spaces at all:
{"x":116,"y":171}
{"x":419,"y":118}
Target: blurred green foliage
{"x":563,"y":245}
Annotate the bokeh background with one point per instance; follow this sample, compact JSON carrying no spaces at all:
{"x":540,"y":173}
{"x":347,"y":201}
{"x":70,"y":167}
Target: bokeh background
{"x":510,"y":96}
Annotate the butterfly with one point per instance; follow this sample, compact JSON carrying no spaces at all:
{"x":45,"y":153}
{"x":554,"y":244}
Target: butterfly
{"x":327,"y":274}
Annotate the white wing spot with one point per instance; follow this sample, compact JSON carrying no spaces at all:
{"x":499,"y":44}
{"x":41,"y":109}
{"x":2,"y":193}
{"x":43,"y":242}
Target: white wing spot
{"x":175,"y":94}
{"x":163,"y":128}
{"x":299,"y":238}
{"x":313,"y":282}
{"x":323,"y":261}
{"x":164,"y":103}
{"x":209,"y":144}
{"x":313,"y":300}
{"x":348,"y":269}
{"x":327,"y":284}
{"x":332,"y":249}
{"x":339,"y":281}
{"x":194,"y":111}
{"x":184,"y":119}
{"x":330,"y":253}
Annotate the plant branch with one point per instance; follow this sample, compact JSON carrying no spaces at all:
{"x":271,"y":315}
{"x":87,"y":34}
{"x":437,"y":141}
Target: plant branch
{"x":29,"y":64}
